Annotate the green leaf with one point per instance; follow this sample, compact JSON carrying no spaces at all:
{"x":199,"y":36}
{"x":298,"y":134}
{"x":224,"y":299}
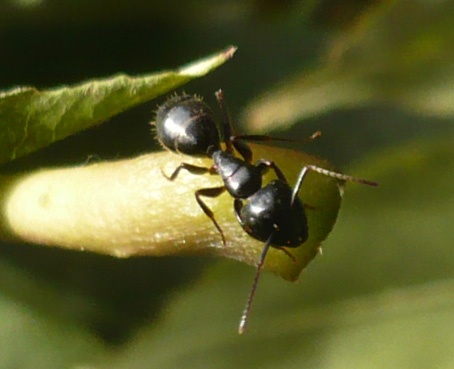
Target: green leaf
{"x":31,"y":119}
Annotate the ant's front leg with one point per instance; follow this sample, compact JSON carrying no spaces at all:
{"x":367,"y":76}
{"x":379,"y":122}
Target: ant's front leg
{"x":243,"y":148}
{"x":193,"y":169}
{"x":245,"y":151}
{"x":263,"y":165}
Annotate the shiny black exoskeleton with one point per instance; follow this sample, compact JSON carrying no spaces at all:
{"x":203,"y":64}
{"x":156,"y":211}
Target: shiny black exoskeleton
{"x":272,"y":214}
{"x":185,"y":124}
{"x":275,"y":215}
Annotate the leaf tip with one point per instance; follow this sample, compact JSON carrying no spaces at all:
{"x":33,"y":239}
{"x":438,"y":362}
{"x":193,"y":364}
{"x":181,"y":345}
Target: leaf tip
{"x":230,"y":51}
{"x":203,"y":66}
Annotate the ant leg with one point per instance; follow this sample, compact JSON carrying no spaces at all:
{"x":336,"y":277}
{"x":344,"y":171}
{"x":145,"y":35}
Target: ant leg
{"x":263,"y":165}
{"x":237,"y":206}
{"x":234,"y":141}
{"x":286,"y":252}
{"x":246,"y":151}
{"x":194,"y":169}
{"x":327,"y":173}
{"x":243,"y":148}
{"x":210,"y":192}
{"x":265,"y":138}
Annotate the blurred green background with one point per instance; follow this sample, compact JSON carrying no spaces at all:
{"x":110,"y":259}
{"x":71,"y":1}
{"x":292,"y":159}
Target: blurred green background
{"x":376,"y":77}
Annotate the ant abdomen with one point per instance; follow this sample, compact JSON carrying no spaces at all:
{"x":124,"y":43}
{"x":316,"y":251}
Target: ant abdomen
{"x":270,"y":211}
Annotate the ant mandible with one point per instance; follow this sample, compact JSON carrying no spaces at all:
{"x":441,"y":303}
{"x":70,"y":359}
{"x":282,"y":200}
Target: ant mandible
{"x":273,"y":214}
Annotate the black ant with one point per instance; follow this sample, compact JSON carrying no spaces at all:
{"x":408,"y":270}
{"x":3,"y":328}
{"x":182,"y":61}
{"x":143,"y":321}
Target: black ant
{"x":273,"y":214}
{"x":185,"y":124}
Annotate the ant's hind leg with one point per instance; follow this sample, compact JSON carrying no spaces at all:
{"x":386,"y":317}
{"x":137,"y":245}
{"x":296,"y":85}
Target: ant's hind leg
{"x":286,"y":252}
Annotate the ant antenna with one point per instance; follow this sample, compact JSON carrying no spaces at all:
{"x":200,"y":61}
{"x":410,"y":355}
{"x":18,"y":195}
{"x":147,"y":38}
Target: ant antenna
{"x":266,"y":138}
{"x":227,"y":130}
{"x":327,"y":173}
{"x":261,"y":262}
